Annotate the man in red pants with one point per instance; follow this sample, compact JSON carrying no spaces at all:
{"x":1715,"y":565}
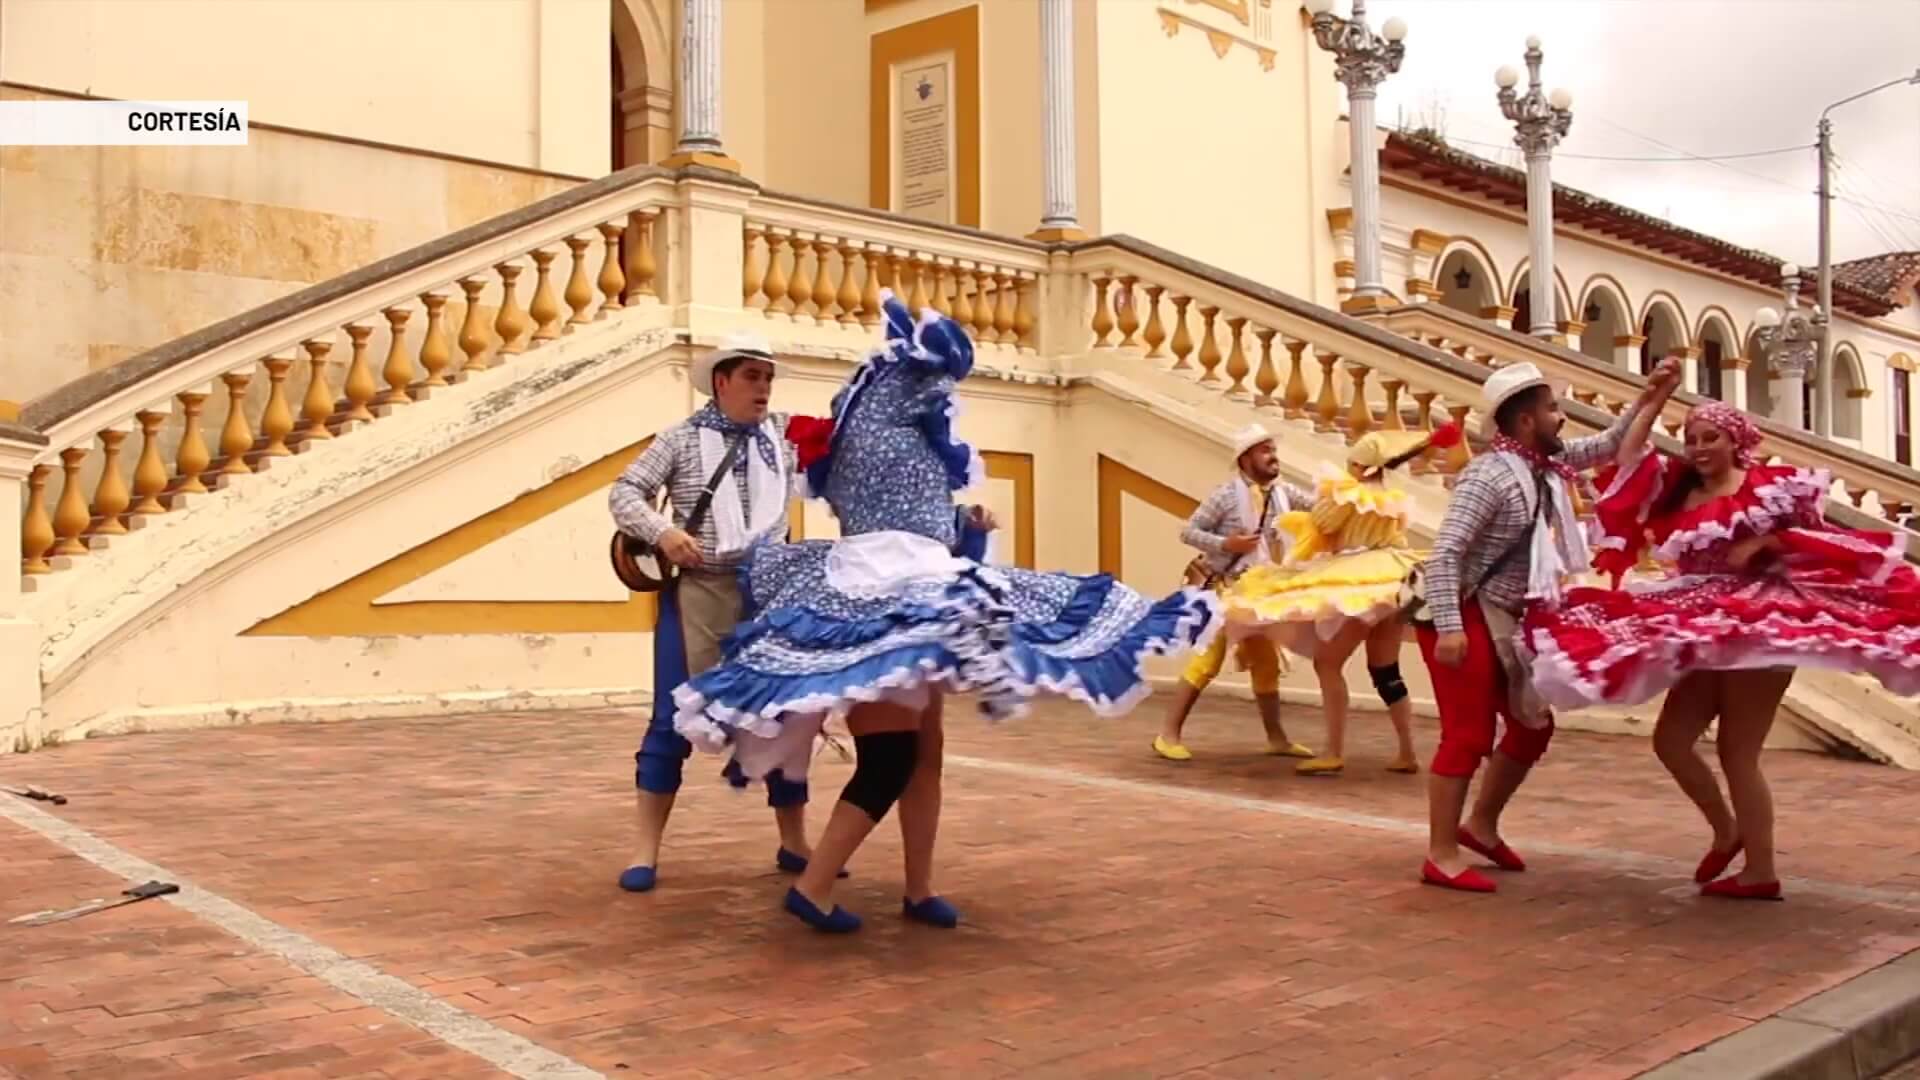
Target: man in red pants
{"x":1509,"y":537}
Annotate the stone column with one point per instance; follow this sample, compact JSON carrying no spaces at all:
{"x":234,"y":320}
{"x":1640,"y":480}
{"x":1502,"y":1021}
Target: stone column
{"x":1540,"y":121}
{"x":699,"y":61}
{"x":1060,"y":220}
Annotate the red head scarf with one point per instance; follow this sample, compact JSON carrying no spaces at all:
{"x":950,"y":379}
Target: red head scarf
{"x":1736,"y":425}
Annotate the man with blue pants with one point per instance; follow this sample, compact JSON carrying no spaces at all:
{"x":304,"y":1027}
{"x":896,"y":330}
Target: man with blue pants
{"x":737,"y":448}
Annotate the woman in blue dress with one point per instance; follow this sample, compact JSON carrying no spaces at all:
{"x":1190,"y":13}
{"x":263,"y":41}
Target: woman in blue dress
{"x":883,"y":623}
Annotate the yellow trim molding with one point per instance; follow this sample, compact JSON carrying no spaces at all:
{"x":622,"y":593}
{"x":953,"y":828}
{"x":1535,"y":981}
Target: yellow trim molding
{"x":1018,"y":470}
{"x":349,"y":609}
{"x":1222,"y":41}
{"x":1116,"y":482}
{"x":957,"y":32}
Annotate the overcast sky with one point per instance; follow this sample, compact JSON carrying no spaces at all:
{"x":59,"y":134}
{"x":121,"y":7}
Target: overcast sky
{"x":1670,"y":78}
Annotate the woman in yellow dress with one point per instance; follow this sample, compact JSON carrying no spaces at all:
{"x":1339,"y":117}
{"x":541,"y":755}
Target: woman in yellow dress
{"x":1337,"y":586}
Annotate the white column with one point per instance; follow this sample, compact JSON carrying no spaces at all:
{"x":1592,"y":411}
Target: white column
{"x":1060,"y":220}
{"x":1365,"y":170}
{"x":700,"y":46}
{"x":1540,"y":280}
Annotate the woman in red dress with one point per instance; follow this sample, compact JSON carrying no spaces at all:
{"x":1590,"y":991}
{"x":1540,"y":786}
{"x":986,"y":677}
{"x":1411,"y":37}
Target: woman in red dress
{"x":1761,"y":585}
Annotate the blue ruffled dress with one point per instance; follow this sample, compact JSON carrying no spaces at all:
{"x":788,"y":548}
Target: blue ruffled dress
{"x":902,"y":602}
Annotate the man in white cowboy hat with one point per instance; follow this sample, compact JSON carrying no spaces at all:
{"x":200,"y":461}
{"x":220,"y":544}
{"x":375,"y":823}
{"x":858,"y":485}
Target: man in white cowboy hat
{"x":1509,"y":537}
{"x":1233,"y":529}
{"x":739,"y":448}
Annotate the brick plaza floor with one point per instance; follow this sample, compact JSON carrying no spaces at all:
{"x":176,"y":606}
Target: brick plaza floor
{"x":1126,"y":917}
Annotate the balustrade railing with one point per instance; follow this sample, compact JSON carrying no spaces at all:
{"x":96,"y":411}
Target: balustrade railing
{"x":217,"y":406}
{"x":1874,"y":486}
{"x":812,"y":262}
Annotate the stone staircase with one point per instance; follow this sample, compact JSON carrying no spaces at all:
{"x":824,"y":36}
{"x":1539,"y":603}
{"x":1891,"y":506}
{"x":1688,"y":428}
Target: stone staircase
{"x":335,"y":432}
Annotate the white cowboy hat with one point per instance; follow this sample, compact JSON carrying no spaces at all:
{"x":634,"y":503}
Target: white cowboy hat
{"x":1249,"y":437}
{"x":749,"y":346}
{"x":1503,"y":384}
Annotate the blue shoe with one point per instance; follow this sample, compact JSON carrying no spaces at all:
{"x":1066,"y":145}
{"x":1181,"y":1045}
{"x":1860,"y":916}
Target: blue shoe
{"x":837,"y":921}
{"x":637,"y":878}
{"x":934,"y":911}
{"x":789,"y":863}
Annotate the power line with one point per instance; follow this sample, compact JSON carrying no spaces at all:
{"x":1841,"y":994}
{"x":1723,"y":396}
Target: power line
{"x":1682,"y":158}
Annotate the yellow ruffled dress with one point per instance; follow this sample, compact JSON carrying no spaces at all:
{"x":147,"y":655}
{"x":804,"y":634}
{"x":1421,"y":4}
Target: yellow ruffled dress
{"x":1343,"y":560}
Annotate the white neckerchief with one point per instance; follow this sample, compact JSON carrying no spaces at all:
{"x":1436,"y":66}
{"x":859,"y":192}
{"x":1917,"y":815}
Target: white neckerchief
{"x":767,"y":488}
{"x":1559,"y":545}
{"x":1250,"y":519}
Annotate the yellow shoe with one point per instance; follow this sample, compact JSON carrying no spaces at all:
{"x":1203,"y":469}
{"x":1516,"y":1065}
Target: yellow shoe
{"x":1403,"y":765}
{"x":1292,"y":749}
{"x":1172,"y":751}
{"x":1321,"y":766}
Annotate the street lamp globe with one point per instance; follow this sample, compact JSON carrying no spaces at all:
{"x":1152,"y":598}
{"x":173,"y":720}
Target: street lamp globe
{"x":1561,"y":99}
{"x":1766,"y":317}
{"x":1790,"y":270}
{"x":1506,"y":77}
{"x":1319,"y":7}
{"x":1533,"y":41}
{"x":1395,"y":30}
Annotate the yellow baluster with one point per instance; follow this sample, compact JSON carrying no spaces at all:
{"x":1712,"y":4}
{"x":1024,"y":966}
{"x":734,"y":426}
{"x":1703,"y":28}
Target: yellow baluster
{"x":1393,"y":422}
{"x":1423,"y":421}
{"x":823,"y":290}
{"x":360,"y":388}
{"x":435,"y":353}
{"x":983,"y":312}
{"x":1295,"y":396}
{"x":150,"y":472}
{"x":1237,"y":369}
{"x":36,"y":527}
{"x":1123,"y":305}
{"x":110,"y":498}
{"x":778,"y":301}
{"x":71,"y":518}
{"x":236,"y":438}
{"x":800,"y":287}
{"x":1024,"y":319}
{"x":1460,"y":453}
{"x":1004,"y":315}
{"x":641,"y":269}
{"x":399,"y":369}
{"x":1209,"y":345}
{"x":1327,"y":416}
{"x":317,"y":407}
{"x":941,"y":303}
{"x":917,"y":299}
{"x":1182,"y":340}
{"x":750,"y":275}
{"x":876,"y":263}
{"x":1102,"y":321}
{"x":546,"y":307}
{"x":579,"y":294}
{"x":192,"y":457}
{"x":963,"y":289}
{"x":276,"y":421}
{"x":1359,"y":414}
{"x":613,"y":283}
{"x":1267,"y":380}
{"x":1156,"y":334}
{"x":511,"y":322}
{"x":473,"y":327}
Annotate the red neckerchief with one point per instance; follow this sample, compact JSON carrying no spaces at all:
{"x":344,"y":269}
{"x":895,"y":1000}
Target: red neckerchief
{"x":1538,"y":461}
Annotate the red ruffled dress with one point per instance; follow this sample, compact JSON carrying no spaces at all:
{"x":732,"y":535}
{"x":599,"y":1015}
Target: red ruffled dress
{"x":1830,"y":597}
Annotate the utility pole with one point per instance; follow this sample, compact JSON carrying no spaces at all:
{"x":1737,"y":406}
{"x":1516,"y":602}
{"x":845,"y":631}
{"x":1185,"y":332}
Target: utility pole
{"x":1823,"y":356}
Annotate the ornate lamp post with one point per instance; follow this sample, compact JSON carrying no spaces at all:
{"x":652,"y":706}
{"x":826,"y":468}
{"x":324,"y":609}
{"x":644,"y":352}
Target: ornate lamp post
{"x":1792,"y":345}
{"x":1540,"y":121}
{"x":1362,"y":61}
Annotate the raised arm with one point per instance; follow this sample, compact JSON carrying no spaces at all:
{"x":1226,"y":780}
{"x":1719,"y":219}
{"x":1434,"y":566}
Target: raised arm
{"x":1619,"y":441}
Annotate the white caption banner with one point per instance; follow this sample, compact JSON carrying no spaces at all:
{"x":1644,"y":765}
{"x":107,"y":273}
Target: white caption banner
{"x":123,"y":123}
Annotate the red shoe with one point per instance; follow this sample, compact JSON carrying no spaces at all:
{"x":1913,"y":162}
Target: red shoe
{"x":1468,"y":880}
{"x":1732,"y":888}
{"x":1716,"y":862}
{"x":1503,"y":856}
